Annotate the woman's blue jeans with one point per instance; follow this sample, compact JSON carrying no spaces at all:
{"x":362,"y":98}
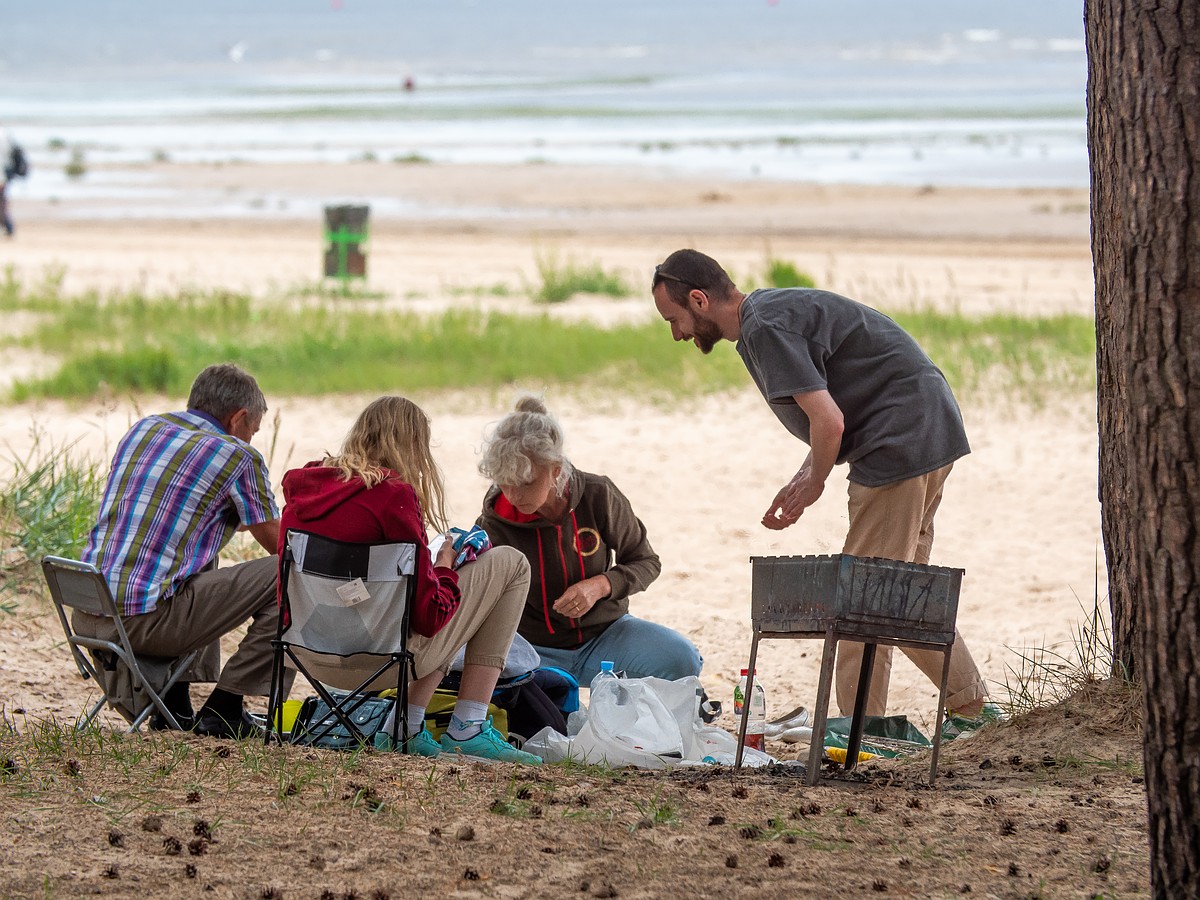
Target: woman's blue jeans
{"x":636,"y":647}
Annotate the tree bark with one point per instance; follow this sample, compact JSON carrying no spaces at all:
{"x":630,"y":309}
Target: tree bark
{"x":1106,"y":117}
{"x":1144,"y":141}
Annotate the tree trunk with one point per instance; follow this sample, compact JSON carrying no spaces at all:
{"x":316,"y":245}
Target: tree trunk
{"x":1144,"y":141}
{"x":1114,"y":309}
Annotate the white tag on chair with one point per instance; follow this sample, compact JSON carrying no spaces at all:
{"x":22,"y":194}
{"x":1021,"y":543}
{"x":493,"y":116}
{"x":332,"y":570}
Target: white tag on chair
{"x":353,"y":592}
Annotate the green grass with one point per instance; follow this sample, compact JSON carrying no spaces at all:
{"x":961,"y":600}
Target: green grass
{"x":48,"y":504}
{"x":656,"y":811}
{"x":496,"y":289}
{"x":1032,"y":354}
{"x":775,"y":273}
{"x":333,"y":289}
{"x":132,"y":344}
{"x":561,"y":282}
{"x":781,"y":273}
{"x":129,"y":342}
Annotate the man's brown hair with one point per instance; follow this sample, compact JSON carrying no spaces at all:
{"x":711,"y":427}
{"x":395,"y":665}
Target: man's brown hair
{"x":687,"y":270}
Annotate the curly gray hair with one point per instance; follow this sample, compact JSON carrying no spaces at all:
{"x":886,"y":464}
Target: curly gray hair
{"x":526,"y":437}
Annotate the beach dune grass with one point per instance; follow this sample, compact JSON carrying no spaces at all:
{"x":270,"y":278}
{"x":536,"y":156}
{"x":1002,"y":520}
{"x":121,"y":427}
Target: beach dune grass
{"x":131,"y":343}
{"x":48,"y":503}
{"x":781,"y":273}
{"x":1036,"y":355}
{"x":561,"y":281}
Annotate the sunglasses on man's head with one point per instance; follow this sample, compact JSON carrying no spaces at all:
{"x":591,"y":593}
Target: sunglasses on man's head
{"x":659,"y":274}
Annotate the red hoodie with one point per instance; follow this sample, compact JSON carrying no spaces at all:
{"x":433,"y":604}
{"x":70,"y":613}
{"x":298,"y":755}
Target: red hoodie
{"x":318,"y":500}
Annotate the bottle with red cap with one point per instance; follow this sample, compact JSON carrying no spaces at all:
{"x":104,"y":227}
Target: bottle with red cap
{"x":756,"y":724}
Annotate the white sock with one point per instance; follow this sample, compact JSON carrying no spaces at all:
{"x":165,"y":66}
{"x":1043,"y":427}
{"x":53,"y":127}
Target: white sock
{"x":468,"y":719}
{"x":416,"y":720}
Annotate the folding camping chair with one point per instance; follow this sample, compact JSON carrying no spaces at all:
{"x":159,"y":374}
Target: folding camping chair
{"x":81,"y":586}
{"x":344,"y":615}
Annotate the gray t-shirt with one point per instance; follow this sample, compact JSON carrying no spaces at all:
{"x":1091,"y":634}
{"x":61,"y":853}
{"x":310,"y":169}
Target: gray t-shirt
{"x":901,"y":420}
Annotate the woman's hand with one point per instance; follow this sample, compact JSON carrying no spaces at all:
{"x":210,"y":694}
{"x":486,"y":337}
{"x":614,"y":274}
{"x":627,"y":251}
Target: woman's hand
{"x":582,"y":596}
{"x":446,"y":553}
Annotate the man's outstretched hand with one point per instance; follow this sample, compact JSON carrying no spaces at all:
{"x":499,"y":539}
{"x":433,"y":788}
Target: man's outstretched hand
{"x":792,"y":500}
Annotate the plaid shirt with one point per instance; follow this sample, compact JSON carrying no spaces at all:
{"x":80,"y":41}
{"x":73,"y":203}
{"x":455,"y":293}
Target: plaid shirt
{"x":178,"y":489}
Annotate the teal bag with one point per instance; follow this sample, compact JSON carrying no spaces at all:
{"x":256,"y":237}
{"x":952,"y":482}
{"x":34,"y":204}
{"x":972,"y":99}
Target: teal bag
{"x":317,"y":726}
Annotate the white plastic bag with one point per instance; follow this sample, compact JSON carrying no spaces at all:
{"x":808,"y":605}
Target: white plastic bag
{"x":650,"y":723}
{"x":521,"y":658}
{"x":627,"y":724}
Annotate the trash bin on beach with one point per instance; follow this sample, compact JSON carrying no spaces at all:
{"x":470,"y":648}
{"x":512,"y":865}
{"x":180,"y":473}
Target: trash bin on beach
{"x":345,"y":240}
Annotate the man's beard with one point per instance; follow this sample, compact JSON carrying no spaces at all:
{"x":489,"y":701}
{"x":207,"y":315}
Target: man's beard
{"x":705,"y":334}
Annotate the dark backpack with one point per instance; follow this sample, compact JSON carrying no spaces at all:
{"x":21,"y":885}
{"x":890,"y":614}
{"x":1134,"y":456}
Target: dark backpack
{"x":532,"y":701}
{"x":18,"y":164}
{"x":530,"y":709}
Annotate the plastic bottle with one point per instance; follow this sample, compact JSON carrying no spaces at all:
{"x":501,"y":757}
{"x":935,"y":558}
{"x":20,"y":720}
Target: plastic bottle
{"x":756,"y":725}
{"x":606,"y":673}
{"x":607,"y":683}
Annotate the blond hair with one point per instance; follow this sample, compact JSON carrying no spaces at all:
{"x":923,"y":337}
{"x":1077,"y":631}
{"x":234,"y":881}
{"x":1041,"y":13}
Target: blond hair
{"x":393,"y":433}
{"x":526,"y":437}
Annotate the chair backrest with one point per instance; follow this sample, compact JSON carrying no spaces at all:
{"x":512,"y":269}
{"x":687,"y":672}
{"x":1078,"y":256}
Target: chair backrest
{"x":133,"y":686}
{"x":78,"y":585}
{"x":345,"y":598}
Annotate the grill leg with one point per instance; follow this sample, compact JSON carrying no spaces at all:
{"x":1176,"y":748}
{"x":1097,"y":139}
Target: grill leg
{"x":860,"y":706}
{"x":821,"y":713}
{"x":737,"y":763}
{"x":942,"y":715}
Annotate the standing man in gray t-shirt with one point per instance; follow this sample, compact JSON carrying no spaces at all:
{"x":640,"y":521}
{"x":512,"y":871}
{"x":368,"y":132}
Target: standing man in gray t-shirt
{"x":855,"y":387}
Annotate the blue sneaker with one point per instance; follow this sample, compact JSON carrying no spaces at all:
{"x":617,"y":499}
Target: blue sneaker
{"x":957,"y":726}
{"x":489,"y":744}
{"x":420,"y":744}
{"x":423,"y":744}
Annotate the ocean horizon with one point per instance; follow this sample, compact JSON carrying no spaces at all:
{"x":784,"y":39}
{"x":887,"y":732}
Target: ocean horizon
{"x":872,"y":92}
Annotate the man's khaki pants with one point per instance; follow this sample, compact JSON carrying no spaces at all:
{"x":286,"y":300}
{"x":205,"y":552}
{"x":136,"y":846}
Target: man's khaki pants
{"x":895,"y":521}
{"x":207,"y":606}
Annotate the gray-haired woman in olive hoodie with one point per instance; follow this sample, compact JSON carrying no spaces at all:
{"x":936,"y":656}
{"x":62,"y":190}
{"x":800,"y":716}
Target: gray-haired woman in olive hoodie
{"x":587,"y":552}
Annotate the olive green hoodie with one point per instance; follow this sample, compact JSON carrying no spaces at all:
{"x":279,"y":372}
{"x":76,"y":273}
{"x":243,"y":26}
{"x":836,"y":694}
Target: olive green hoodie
{"x":599,"y":533}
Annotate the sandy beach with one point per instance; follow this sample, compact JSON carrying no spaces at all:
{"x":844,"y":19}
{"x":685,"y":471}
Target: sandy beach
{"x":929,"y":156}
{"x":1020,"y":514}
{"x":1050,"y":804}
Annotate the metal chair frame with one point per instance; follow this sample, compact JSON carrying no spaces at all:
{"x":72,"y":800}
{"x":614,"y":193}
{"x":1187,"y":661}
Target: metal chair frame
{"x":81,"y":586}
{"x":341,"y":562}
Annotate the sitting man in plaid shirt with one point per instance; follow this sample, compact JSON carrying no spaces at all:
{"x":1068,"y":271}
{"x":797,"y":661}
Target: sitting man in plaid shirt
{"x":181,"y":484}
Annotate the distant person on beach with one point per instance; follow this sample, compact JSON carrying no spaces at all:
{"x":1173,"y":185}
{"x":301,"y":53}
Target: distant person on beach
{"x":181,"y":484}
{"x":12,"y":160}
{"x":587,"y":550}
{"x":384,"y":486}
{"x":853,"y":385}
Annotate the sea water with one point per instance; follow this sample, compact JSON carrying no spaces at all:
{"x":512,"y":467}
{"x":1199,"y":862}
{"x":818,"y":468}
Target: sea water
{"x":934,"y":92}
